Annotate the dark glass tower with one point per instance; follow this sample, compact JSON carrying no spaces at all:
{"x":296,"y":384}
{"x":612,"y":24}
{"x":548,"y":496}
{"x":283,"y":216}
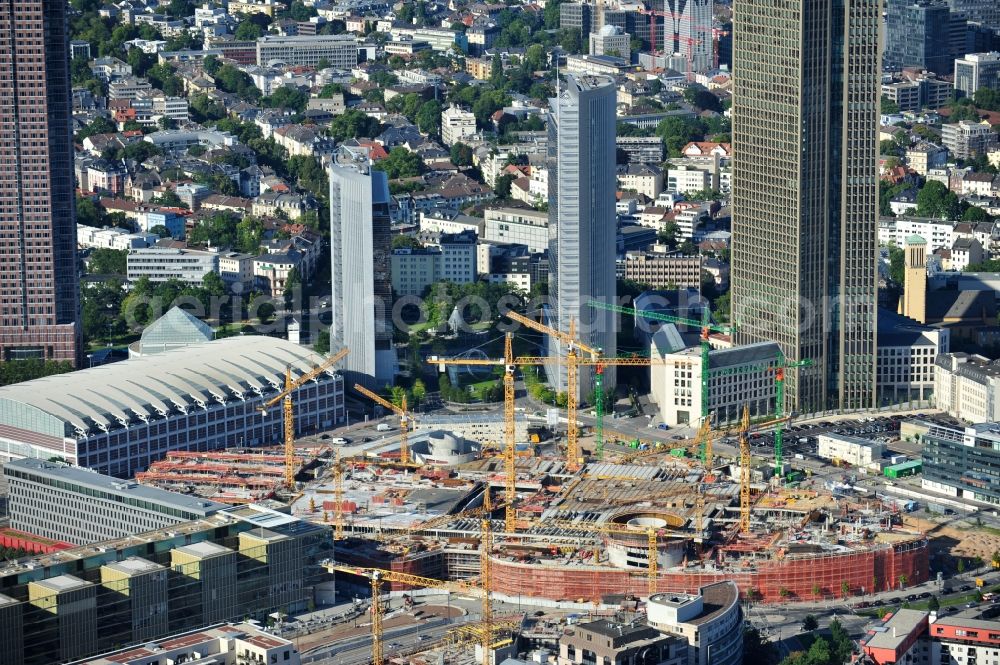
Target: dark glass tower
{"x":38,"y":275}
{"x":805,"y":121}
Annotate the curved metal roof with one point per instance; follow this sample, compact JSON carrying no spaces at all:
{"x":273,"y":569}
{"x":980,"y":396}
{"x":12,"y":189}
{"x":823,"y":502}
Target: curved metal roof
{"x":146,"y":386}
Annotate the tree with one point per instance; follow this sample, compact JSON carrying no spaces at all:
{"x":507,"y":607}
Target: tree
{"x":16,"y":371}
{"x":976,"y":215}
{"x":935,"y":200}
{"x":960,"y":566}
{"x":331,"y":89}
{"x":502,"y":189}
{"x":677,"y":131}
{"x":287,"y":97}
{"x":933,"y":604}
{"x":987,"y":98}
{"x":428,"y":118}
{"x":902,"y":580}
{"x":99,"y":125}
{"x":816,"y":589}
{"x":264,"y":309}
{"x":702,"y":98}
{"x":322,"y":343}
{"x":160,"y":230}
{"x":104,"y":261}
{"x":889,"y":107}
{"x":810,"y":623}
{"x":461,"y":154}
{"x":757,"y":650}
{"x":405,"y":242}
{"x":401,"y":163}
{"x":88,"y":213}
{"x":292,"y":284}
{"x":354,"y":124}
{"x":248,"y":31}
{"x":845,"y":588}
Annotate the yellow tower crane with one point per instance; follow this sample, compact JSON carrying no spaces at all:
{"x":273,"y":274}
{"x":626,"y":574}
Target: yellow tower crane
{"x":745,"y":462}
{"x":379,"y":576}
{"x":338,"y":496}
{"x":508,"y":362}
{"x":404,"y":419}
{"x":572,"y":362}
{"x":286,"y":395}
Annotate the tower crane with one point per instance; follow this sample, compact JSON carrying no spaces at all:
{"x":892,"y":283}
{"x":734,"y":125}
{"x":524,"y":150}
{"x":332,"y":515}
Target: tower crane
{"x":705,"y":325}
{"x":338,"y":496}
{"x":404,"y":419}
{"x":379,"y":576}
{"x":508,"y":362}
{"x":569,"y":339}
{"x":745,"y":462}
{"x":286,"y":395}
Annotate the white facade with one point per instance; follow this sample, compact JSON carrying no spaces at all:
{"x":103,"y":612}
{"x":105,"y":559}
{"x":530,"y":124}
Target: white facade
{"x":966,"y":387}
{"x":857,"y":452}
{"x":611,"y":40}
{"x":341,"y":51}
{"x":939,"y":234}
{"x":711,"y":621}
{"x":160,"y":264}
{"x":518,"y":225}
{"x":413,"y":270}
{"x":977,"y":70}
{"x":688,"y":179}
{"x":457,"y":124}
{"x":112,"y":238}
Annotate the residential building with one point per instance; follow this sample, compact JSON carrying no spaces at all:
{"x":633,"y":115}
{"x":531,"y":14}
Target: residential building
{"x":964,"y":462}
{"x":233,"y":644}
{"x":112,"y":238}
{"x":445,"y":220}
{"x":688,"y":32}
{"x":964,"y":252}
{"x":965,"y":386}
{"x":341,"y":51}
{"x":965,"y":140}
{"x":660,"y":269}
{"x":711,"y":621}
{"x":611,"y":40}
{"x":922,"y":34}
{"x":607,"y":641}
{"x":457,"y":124}
{"x":92,"y":507}
{"x":360,"y":243}
{"x":39,"y":283}
{"x":160,"y":264}
{"x":808,"y":217}
{"x":936,"y":233}
{"x":128,"y":87}
{"x":904,"y":94}
{"x":413,"y":270}
{"x":267,"y":7}
{"x":686,"y":179}
{"x":862,"y":453}
{"x":458,"y":257}
{"x":925,"y":156}
{"x":523,"y":226}
{"x":739,"y":376}
{"x":929,"y":638}
{"x":581,"y":166}
{"x":163,"y":401}
{"x":140,"y":592}
{"x":272,"y":270}
{"x":645,"y":179}
{"x":977,"y":70}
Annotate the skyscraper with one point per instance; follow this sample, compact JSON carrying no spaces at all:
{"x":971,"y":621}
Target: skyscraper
{"x":38,"y":277}
{"x":688,"y":31}
{"x":924,"y":34}
{"x":805,"y":143}
{"x":360,"y":239}
{"x":582,"y":222}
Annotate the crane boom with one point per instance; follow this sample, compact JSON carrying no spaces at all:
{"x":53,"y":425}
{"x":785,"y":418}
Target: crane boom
{"x":565,"y":338}
{"x":289,"y":412}
{"x":404,"y":419}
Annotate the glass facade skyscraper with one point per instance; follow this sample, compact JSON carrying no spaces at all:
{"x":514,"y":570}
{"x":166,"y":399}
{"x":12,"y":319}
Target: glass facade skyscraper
{"x":805,"y":143}
{"x":38,"y":277}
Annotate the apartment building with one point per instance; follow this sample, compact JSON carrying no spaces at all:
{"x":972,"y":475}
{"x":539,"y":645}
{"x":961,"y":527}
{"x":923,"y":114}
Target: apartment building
{"x":968,"y":387}
{"x":523,"y":226}
{"x":965,"y":140}
{"x":341,"y":51}
{"x":456,"y":125}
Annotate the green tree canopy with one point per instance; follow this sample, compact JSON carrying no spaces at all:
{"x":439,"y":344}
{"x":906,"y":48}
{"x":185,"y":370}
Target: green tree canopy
{"x":401,"y":163}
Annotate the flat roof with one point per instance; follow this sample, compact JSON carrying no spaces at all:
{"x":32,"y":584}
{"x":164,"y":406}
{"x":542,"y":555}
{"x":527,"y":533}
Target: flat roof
{"x":114,"y":486}
{"x":134,"y":566}
{"x":894,"y":632}
{"x":62,"y":583}
{"x":204,"y":550}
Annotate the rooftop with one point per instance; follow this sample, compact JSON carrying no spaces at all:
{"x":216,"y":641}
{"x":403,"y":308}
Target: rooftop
{"x":893,"y":633}
{"x":62,"y":583}
{"x":204,"y":550}
{"x":85,"y":478}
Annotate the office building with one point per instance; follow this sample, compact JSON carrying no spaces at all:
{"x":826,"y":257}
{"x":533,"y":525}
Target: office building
{"x":360,"y":242}
{"x":233,"y":644}
{"x":341,"y":51}
{"x":91,"y":507}
{"x":688,"y":32}
{"x":923,"y":34}
{"x":907,"y":352}
{"x":963,"y":462}
{"x":968,"y":387}
{"x":711,"y":621}
{"x":611,"y":40}
{"x":524,"y":226}
{"x":457,"y":124}
{"x":740,"y":376}
{"x":575,"y":16}
{"x":582,"y":219}
{"x":641,"y":148}
{"x":161,"y":264}
{"x":414,"y":269}
{"x":118,"y":418}
{"x":660,"y":269}
{"x":608,"y":641}
{"x":966,"y":140}
{"x":855,"y":451}
{"x":141,"y":591}
{"x":977,"y":70}
{"x":39,"y":283}
{"x":808,"y":216}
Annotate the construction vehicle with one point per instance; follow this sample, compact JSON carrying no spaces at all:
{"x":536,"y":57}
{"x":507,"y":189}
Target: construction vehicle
{"x":379,"y":576}
{"x":404,"y":419}
{"x":286,"y":395}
